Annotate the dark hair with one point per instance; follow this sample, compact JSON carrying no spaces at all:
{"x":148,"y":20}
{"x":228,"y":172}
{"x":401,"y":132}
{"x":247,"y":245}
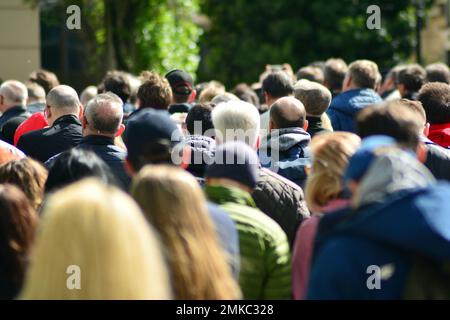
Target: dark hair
{"x":412,"y":77}
{"x":393,"y":119}
{"x":46,"y":79}
{"x":74,"y":165}
{"x":27,"y":174}
{"x":311,"y":73}
{"x":118,"y":83}
{"x":18,"y":222}
{"x":155,"y":91}
{"x":278,"y":84}
{"x":334,"y":72}
{"x":200,"y":113}
{"x":435,"y":98}
{"x":247,"y":94}
{"x":438,"y":72}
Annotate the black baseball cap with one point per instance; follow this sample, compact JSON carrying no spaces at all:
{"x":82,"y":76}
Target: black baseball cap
{"x":180,"y":81}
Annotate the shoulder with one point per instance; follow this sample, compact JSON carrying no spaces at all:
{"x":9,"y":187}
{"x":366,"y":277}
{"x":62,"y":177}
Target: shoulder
{"x":273,"y":182}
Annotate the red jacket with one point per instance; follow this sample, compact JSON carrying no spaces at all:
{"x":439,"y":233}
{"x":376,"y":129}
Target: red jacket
{"x":36,"y":122}
{"x":440,"y":134}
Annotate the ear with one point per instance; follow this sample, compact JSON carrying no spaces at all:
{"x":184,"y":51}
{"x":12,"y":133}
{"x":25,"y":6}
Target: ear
{"x":192,"y":96}
{"x":84,"y":122}
{"x":305,"y":125}
{"x":421,"y":152}
{"x":185,"y":158}
{"x":129,"y":168}
{"x":258,"y":142}
{"x":271,"y":125}
{"x":347,"y":82}
{"x":426,"y":129}
{"x":266,"y":96}
{"x":48,"y":112}
{"x":81,"y":112}
{"x":121,"y":130}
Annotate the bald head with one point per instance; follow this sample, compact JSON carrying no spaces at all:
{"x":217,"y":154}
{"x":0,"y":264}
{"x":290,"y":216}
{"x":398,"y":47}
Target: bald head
{"x":103,"y":115}
{"x":287,"y":112}
{"x":63,"y":97}
{"x":12,"y":93}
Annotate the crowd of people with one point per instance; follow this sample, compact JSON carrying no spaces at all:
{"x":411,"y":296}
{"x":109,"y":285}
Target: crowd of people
{"x":328,"y":183}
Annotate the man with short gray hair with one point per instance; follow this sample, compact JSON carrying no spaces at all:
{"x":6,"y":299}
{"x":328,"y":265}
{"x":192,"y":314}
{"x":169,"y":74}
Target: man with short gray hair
{"x":63,"y":109}
{"x":13,"y":99}
{"x":102,"y":122}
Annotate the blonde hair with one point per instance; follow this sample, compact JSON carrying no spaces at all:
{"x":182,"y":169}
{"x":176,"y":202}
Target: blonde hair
{"x":331,"y":153}
{"x":174,"y":203}
{"x":102,"y":231}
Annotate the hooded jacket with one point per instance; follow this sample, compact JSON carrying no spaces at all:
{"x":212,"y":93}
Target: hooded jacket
{"x":440,"y":134}
{"x":265,"y":258}
{"x":286,"y":152}
{"x":345,"y":106}
{"x":399,"y":212}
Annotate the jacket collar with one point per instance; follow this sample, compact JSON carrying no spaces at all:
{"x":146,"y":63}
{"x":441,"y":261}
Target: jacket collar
{"x":285,"y":139}
{"x":223,"y":194}
{"x":97,"y":140}
{"x":15,"y":110}
{"x":67,"y":119}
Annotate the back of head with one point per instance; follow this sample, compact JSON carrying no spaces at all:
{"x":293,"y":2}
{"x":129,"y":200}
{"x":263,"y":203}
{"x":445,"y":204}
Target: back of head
{"x":331,"y":154}
{"x":46,"y":79}
{"x":224,"y":97}
{"x":311,"y":73}
{"x":438,"y":72}
{"x":104,"y":114}
{"x":364,"y":74}
{"x":210,"y":92}
{"x":198,"y":120}
{"x":412,"y":77}
{"x":334,"y":73}
{"x":236,"y":120}
{"x":118,"y":83}
{"x":88,"y":94}
{"x":64,"y":99}
{"x":393,"y":119}
{"x":74,"y":165}
{"x":247,"y":94}
{"x":154,"y":92}
{"x":36,"y":94}
{"x":315,"y":97}
{"x":18,"y":222}
{"x":277,"y":84}
{"x":150,"y":137}
{"x":287,"y":112}
{"x":174,"y":203}
{"x":182,"y":85}
{"x":14,"y":93}
{"x":89,"y":227}
{"x":435,"y":98}
{"x":28,"y":175}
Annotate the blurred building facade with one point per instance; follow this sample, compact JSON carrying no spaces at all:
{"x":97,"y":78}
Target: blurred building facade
{"x":435,"y":35}
{"x":20,"y":51}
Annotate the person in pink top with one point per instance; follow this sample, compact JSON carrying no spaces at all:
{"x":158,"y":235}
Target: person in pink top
{"x":331,"y":152}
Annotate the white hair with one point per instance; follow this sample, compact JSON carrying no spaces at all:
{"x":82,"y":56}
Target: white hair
{"x":236,"y":120}
{"x":14,"y":92}
{"x":88,"y":94}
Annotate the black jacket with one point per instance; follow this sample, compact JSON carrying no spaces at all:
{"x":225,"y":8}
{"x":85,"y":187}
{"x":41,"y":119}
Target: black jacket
{"x":45,"y":143}
{"x":10,"y":120}
{"x":282,"y":200}
{"x":315,"y":126}
{"x":112,"y":155}
{"x":438,"y":160}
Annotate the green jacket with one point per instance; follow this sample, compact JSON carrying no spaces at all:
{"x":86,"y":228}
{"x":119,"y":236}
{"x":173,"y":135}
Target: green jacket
{"x":264,"y":249}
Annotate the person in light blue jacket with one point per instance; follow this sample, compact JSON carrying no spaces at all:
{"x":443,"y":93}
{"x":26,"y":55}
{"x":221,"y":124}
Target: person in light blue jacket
{"x":358,"y":91}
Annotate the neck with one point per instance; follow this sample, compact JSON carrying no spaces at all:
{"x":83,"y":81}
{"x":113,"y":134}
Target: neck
{"x":92,"y":132}
{"x":9,"y":106}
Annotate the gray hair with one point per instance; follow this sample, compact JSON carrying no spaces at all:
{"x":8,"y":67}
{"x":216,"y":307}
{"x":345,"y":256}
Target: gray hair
{"x":88,"y":94}
{"x":64,"y":98}
{"x":236,"y":120}
{"x":315,"y":97}
{"x":35,"y":92}
{"x":14,"y":92}
{"x":224,"y":97}
{"x":104,"y":113}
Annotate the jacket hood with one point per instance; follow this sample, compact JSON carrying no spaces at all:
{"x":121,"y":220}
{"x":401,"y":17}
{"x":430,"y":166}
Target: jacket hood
{"x":284,"y":139}
{"x":352,"y":101}
{"x":440,"y":134}
{"x":390,"y":173}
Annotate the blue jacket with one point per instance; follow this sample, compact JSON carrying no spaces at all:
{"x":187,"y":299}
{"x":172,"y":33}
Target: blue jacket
{"x":346,"y":105}
{"x":286,"y":152}
{"x":384,"y":231}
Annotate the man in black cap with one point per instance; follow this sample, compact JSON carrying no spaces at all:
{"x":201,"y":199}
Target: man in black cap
{"x":183,"y":91}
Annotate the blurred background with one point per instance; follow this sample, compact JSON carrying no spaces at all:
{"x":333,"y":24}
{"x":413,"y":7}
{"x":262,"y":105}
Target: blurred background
{"x":227,"y":40}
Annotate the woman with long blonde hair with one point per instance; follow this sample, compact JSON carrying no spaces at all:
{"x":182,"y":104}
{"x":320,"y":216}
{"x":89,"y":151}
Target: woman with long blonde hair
{"x":175,"y":205}
{"x":94,"y":243}
{"x":323,"y":192}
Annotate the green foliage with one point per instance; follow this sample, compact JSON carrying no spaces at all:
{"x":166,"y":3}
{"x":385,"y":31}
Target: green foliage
{"x":246,"y":35}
